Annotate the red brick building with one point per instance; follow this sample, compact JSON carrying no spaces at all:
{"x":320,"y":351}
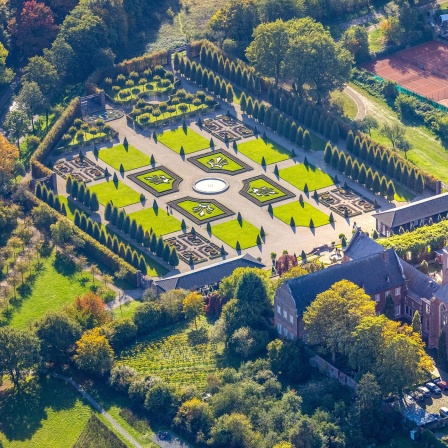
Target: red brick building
{"x":380,"y":272}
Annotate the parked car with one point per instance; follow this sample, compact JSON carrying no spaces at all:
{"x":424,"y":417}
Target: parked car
{"x":442,"y":384}
{"x":433,"y":388}
{"x":417,"y":396}
{"x":424,"y":391}
{"x":444,"y":412}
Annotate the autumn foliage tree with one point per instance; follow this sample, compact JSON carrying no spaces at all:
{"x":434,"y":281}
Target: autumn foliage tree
{"x":89,"y":311}
{"x":34,"y":29}
{"x":9,"y":155}
{"x":193,"y":307}
{"x":94,"y":353}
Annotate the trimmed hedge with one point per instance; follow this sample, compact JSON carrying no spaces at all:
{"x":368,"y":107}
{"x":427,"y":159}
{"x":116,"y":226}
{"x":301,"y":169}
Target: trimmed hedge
{"x":92,"y":247}
{"x":38,"y":169}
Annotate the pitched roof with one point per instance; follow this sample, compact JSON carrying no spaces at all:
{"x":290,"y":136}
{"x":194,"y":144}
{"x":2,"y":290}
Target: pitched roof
{"x":414,"y":211}
{"x":420,"y":286}
{"x":207,"y":275}
{"x":361,"y":245}
{"x":375,"y":273}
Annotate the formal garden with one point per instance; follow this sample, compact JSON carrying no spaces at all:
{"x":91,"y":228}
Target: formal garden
{"x":220,"y":161}
{"x":262,"y":191}
{"x":157,"y":181}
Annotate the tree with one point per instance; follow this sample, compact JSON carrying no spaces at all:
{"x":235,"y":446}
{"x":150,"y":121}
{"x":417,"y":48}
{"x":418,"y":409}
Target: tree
{"x":94,"y":353}
{"x":234,"y":430}
{"x":315,"y":60}
{"x":19,"y":353}
{"x":355,"y":40}
{"x":195,"y":417}
{"x":147,"y":317}
{"x":43,"y":73}
{"x":31,"y":100}
{"x":334,"y":314}
{"x":393,"y":132}
{"x":9,"y":155}
{"x":58,"y":334}
{"x":174,"y":258}
{"x":268,"y":49}
{"x":369,"y":406}
{"x":34,"y":29}
{"x":89,"y":311}
{"x":305,"y":434}
{"x":16,"y":123}
{"x":307,"y":140}
{"x":389,"y":307}
{"x":442,"y":353}
{"x":193,"y":307}
{"x":368,"y":123}
{"x":6,"y":74}
{"x":417,"y":323}
{"x":271,"y":10}
{"x":119,"y":333}
{"x":94,"y":203}
{"x":160,"y":401}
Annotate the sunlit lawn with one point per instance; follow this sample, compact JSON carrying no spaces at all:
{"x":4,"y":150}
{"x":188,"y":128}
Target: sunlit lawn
{"x":302,"y":214}
{"x":258,"y":148}
{"x":231,"y":231}
{"x":117,"y":192}
{"x":130,"y":157}
{"x":176,"y":138}
{"x":160,"y":222}
{"x":300,"y":174}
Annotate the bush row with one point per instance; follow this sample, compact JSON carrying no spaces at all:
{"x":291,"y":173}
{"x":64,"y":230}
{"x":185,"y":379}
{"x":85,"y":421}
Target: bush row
{"x":38,"y":169}
{"x":359,"y":172}
{"x":374,"y":155}
{"x":156,"y":245}
{"x":93,"y":248}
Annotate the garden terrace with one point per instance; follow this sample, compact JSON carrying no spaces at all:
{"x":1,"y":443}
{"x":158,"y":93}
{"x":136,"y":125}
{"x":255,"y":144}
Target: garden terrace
{"x":125,"y":89}
{"x":104,"y":115}
{"x":82,"y":134}
{"x":183,"y":137}
{"x":156,"y":219}
{"x":121,"y":157}
{"x":220,"y":162}
{"x":299,"y":214}
{"x":262,"y":191}
{"x":79,"y":168}
{"x":116,"y":192}
{"x":194,"y":247}
{"x":237,"y":231}
{"x":178,"y":106}
{"x":200,"y":211}
{"x":259,"y":149}
{"x":303,"y":174}
{"x":158,"y":181}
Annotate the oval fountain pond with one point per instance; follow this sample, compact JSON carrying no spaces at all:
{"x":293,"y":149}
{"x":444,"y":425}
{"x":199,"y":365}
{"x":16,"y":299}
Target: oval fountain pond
{"x":210,"y":185}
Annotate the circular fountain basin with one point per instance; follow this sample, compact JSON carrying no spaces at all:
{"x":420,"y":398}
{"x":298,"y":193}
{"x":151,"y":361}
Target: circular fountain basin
{"x":210,"y":185}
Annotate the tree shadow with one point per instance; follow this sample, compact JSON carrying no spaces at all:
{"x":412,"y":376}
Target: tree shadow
{"x":24,"y":290}
{"x":67,"y":269}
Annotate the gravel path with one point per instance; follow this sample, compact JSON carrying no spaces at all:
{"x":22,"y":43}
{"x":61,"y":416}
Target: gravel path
{"x":362,"y":109}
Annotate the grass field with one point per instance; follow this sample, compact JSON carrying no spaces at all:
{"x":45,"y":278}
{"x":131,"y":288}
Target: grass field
{"x":53,"y":417}
{"x":302,"y":214}
{"x":163,"y":186}
{"x":96,"y":433}
{"x":177,"y":138}
{"x":52,"y":290}
{"x":255,"y":186}
{"x":215,"y":158}
{"x":402,"y":195}
{"x":348,"y":106}
{"x":258,"y":148}
{"x":427,"y":152}
{"x":230,"y":232}
{"x":119,"y":193}
{"x":131,"y":158}
{"x":171,"y":357}
{"x":154,"y":268}
{"x":376,"y":40}
{"x":127,"y":310}
{"x":160,"y":222}
{"x":301,"y":174}
{"x":201,"y":213}
{"x":70,"y":207}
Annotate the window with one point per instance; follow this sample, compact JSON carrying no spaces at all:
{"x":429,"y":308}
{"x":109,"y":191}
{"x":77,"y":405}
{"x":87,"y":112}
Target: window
{"x":285,"y":332}
{"x":428,"y":308}
{"x":285,"y":314}
{"x":387,"y":293}
{"x":377,"y":297}
{"x":279,"y":310}
{"x":291,"y":318}
{"x":397,"y":291}
{"x":397,"y":310}
{"x":279,"y":328}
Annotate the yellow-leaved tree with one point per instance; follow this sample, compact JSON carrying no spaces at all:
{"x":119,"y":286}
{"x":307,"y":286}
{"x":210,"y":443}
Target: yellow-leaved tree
{"x":193,"y":307}
{"x":9,"y":155}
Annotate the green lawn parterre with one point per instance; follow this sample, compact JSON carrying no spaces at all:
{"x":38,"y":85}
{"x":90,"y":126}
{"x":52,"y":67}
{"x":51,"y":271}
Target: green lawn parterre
{"x":130,"y":157}
{"x":153,"y":175}
{"x":171,"y":357}
{"x":119,"y":193}
{"x":301,"y":214}
{"x":160,"y":222}
{"x":301,"y":174}
{"x":270,"y":191}
{"x":176,"y":138}
{"x":230,"y":232}
{"x":258,"y":148}
{"x":215,"y":161}
{"x":202,"y":210}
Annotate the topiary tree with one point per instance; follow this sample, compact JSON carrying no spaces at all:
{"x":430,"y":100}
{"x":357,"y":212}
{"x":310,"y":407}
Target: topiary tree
{"x":166,"y":253}
{"x":350,"y":142}
{"x":238,"y":246}
{"x":94,"y":204}
{"x":328,"y":153}
{"x":335,"y":134}
{"x":306,"y":141}
{"x":68,"y":185}
{"x":311,"y":223}
{"x":263,"y":162}
{"x":292,"y":223}
{"x":270,"y":210}
{"x":334,"y":158}
{"x":276,"y":171}
{"x":174,"y":259}
{"x":160,"y":246}
{"x":86,"y":200}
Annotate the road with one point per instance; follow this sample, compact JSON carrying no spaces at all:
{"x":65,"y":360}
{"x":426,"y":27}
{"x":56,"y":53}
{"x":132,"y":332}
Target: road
{"x":362,"y":109}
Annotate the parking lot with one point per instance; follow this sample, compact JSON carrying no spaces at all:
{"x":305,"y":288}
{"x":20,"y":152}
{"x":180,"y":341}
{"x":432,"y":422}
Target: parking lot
{"x":436,"y":402}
